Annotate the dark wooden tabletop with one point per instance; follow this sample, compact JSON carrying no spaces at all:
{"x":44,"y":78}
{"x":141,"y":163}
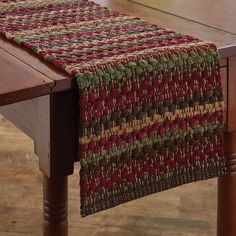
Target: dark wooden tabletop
{"x":24,"y":76}
{"x":213,"y":13}
{"x":16,"y":77}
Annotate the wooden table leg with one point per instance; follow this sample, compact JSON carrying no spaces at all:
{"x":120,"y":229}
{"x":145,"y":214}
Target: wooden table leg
{"x":55,"y":206}
{"x":51,"y":121}
{"x":62,"y":151}
{"x":226,"y":222}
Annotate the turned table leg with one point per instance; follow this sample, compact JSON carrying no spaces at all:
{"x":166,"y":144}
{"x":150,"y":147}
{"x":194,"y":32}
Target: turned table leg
{"x":55,"y":206}
{"x":226,"y":222}
{"x":57,"y":158}
{"x":51,"y":121}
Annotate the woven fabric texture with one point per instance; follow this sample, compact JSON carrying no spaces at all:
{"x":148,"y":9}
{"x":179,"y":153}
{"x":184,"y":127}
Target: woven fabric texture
{"x":150,"y":99}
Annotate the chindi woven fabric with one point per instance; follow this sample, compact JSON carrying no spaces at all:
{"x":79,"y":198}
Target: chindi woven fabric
{"x":150,"y":99}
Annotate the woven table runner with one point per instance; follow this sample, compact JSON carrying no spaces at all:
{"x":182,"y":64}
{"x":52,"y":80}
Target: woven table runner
{"x":150,"y":99}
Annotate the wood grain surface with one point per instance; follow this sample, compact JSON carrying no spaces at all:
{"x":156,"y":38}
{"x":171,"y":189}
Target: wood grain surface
{"x":181,"y":25}
{"x":213,"y":13}
{"x":17,"y":78}
{"x":185,"y":211}
{"x":62,"y":81}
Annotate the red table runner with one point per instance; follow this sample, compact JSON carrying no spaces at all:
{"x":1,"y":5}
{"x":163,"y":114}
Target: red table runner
{"x":150,"y":99}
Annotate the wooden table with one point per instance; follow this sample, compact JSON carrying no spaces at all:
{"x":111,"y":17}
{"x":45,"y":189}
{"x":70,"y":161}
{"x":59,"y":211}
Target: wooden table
{"x":42,"y":102}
